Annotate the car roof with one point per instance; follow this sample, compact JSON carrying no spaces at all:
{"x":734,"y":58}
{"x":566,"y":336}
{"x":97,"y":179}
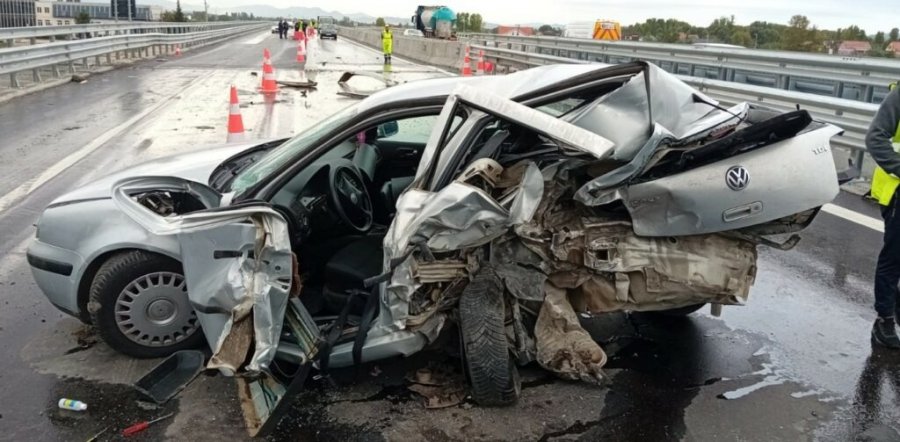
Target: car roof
{"x":507,"y":86}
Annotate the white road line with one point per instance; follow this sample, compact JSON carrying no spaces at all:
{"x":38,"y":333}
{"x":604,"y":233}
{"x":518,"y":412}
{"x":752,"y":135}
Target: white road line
{"x":856,"y":217}
{"x":257,"y":40}
{"x":31,"y":185}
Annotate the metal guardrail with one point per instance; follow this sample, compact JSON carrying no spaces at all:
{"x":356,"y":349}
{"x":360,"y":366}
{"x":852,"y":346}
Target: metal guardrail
{"x":861,"y":79}
{"x":31,"y":58}
{"x":853,"y":116}
{"x":30,"y":32}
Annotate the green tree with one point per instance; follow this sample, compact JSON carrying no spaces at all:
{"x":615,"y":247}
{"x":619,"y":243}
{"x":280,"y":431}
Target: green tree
{"x":82,"y":18}
{"x":548,"y":30}
{"x":721,"y":29}
{"x":741,"y":36}
{"x":379,"y":22}
{"x":476,"y":23}
{"x":179,"y":14}
{"x":852,"y":33}
{"x":766,"y":35}
{"x":462,"y":22}
{"x":879,"y":40}
{"x":895,"y":34}
{"x":798,"y":36}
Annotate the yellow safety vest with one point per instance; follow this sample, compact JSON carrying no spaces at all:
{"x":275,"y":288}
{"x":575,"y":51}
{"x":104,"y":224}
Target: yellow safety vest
{"x":387,"y":36}
{"x":884,"y":184}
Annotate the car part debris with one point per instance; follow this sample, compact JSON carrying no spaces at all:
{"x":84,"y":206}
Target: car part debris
{"x":349,"y":91}
{"x":97,"y":435}
{"x":80,"y":78}
{"x":298,"y":84}
{"x":440,"y":387}
{"x":170,"y":376}
{"x":563,"y":346}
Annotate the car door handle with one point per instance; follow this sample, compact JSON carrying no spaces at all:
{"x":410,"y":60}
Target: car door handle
{"x":406,"y":152}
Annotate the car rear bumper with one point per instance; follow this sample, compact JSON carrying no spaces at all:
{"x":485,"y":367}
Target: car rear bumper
{"x":54,"y":270}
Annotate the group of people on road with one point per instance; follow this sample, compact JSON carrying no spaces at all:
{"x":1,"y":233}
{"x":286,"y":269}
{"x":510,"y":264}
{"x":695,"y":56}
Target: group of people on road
{"x":300,"y":25}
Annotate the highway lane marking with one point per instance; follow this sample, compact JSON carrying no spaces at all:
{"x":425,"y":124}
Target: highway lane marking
{"x":31,"y":185}
{"x":856,"y":217}
{"x":256,"y":40}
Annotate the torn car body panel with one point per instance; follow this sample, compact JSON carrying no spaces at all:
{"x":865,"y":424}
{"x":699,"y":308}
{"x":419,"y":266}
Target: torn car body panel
{"x":349,"y":90}
{"x":238,"y":268}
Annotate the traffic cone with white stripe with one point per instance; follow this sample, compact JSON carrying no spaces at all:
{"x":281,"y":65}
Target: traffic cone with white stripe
{"x":178,"y":50}
{"x":269,"y":86}
{"x":301,"y":53}
{"x":467,"y":65}
{"x":266,"y":54}
{"x":479,"y":67}
{"x":235,"y":122}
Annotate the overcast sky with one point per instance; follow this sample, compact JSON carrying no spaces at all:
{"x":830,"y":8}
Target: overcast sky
{"x":871,"y":15}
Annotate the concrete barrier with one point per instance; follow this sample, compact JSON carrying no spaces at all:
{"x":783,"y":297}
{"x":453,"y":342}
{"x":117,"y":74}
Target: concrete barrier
{"x":441,"y":53}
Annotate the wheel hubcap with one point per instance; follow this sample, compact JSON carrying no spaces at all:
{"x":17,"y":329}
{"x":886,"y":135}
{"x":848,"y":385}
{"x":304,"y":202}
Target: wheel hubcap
{"x":153,"y":310}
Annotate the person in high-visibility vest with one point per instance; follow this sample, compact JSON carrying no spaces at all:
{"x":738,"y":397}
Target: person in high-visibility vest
{"x":883,"y":143}
{"x":387,"y":43}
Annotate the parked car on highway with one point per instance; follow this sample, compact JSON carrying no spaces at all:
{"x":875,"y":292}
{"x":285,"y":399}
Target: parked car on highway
{"x":412,"y":33}
{"x":497,"y":206}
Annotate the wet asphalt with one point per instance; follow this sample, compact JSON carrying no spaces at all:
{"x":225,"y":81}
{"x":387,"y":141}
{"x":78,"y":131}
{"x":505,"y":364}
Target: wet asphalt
{"x":793,"y":364}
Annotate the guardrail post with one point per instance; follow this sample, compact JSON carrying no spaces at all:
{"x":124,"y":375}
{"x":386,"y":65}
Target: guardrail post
{"x":36,"y":75}
{"x":10,"y":42}
{"x":85,"y":63}
{"x":72,"y":66}
{"x":108,"y":58}
{"x":32,"y":41}
{"x":868,"y":92}
{"x":13,"y":81}
{"x":97,"y":61}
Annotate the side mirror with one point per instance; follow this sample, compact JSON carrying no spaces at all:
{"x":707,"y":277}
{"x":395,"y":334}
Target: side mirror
{"x":388,"y":129}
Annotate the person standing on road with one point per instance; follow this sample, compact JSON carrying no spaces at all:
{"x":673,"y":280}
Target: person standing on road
{"x":282,"y":29}
{"x":883,"y":143}
{"x":387,"y":43}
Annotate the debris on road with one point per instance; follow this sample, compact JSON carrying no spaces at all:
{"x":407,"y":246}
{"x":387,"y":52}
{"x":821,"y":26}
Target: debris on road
{"x":298,"y":84}
{"x":95,"y":437}
{"x":349,"y":91}
{"x":171,"y":376}
{"x":440,"y":387}
{"x":141,"y":426}
{"x":80,"y":78}
{"x":72,"y":404}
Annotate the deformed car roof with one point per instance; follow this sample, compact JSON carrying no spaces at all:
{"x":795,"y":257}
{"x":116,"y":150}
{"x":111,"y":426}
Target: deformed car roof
{"x":507,"y":86}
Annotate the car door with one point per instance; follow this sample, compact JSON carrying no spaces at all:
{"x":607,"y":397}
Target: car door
{"x":237,"y":263}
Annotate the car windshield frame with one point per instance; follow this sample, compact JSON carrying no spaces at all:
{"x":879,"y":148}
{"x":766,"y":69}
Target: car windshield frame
{"x":290,"y":149}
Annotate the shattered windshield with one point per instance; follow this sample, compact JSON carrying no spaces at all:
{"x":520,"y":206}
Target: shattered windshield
{"x":290,"y":149}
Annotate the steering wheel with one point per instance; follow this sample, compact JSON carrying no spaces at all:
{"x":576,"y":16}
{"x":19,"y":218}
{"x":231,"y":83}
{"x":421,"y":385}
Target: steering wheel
{"x":349,"y":198}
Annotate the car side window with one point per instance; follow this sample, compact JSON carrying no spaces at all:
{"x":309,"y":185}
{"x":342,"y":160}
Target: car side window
{"x":416,"y":130}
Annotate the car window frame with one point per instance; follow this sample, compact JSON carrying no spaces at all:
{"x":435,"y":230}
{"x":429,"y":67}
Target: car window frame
{"x":267,"y":188}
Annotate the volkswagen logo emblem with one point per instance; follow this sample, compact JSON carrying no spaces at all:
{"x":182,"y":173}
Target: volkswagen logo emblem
{"x":737,"y":178}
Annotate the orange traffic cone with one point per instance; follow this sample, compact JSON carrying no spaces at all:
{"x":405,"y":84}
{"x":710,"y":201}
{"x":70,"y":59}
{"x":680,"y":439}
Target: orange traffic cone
{"x":178,"y":50}
{"x":266,"y":54}
{"x":467,"y":65}
{"x":301,"y":53}
{"x":269,"y":86}
{"x":235,"y":122}
{"x":479,"y":67}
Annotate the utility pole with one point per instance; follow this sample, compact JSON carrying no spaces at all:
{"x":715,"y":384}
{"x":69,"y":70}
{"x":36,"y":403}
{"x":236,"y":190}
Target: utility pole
{"x":129,"y":9}
{"x":116,"y":10}
{"x":205,"y":11}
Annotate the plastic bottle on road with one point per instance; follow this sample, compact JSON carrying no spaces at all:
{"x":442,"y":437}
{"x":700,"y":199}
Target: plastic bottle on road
{"x":72,"y":404}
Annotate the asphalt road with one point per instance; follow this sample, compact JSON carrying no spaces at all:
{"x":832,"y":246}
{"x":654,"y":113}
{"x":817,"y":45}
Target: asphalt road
{"x":794,"y":364}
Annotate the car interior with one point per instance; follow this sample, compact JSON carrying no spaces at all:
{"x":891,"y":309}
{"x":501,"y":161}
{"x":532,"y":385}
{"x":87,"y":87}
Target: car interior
{"x":339,"y":208}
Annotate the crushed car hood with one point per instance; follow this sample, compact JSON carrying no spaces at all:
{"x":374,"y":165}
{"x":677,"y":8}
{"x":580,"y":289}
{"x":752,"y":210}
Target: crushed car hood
{"x":195,"y":166}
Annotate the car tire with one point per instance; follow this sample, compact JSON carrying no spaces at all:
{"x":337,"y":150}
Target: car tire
{"x":679,"y":312}
{"x":492,"y":373}
{"x":153,"y":285}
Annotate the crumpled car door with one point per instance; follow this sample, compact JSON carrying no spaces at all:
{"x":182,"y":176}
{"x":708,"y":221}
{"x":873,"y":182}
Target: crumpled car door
{"x":237,"y":263}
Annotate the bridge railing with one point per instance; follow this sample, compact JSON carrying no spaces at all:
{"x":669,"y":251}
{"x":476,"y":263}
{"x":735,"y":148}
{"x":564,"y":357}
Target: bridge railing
{"x":854,"y":78}
{"x":18,"y":59}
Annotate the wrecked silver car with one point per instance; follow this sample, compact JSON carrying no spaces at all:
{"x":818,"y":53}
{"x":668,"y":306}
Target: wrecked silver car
{"x":501,"y":207}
